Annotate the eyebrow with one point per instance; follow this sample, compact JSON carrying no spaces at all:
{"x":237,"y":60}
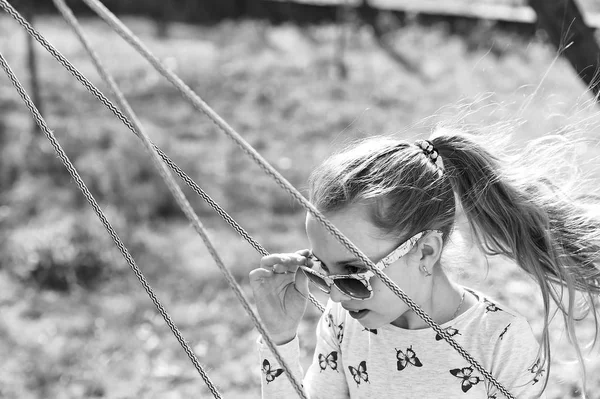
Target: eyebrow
{"x":349,"y":261}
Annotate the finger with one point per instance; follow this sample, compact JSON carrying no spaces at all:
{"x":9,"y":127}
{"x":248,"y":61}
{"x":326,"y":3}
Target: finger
{"x":259,"y":275}
{"x":283,"y":262}
{"x":296,"y":259}
{"x":303,"y":252}
{"x":269,"y":261}
{"x":307,"y":253}
{"x":282,"y":269}
{"x":295,"y":262}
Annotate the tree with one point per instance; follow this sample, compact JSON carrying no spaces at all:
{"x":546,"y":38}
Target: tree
{"x":566,"y":28}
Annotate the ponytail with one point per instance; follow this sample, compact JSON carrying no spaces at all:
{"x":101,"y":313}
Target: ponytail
{"x":551,"y":234}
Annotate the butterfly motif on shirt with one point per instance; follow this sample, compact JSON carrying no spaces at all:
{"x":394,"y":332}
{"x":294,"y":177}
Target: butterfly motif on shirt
{"x":330,"y":321}
{"x":340,"y":332}
{"x":270,"y":374}
{"x":468,"y":379}
{"x":339,"y":327}
{"x":451,"y":331}
{"x":410,"y":357}
{"x":535,"y":369}
{"x":329,"y":360}
{"x":491,"y":306}
{"x":504,"y":331}
{"x":359,"y":374}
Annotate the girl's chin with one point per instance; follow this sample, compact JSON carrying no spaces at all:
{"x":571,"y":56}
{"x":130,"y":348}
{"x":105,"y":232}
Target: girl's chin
{"x":370,"y":322}
{"x":400,"y":322}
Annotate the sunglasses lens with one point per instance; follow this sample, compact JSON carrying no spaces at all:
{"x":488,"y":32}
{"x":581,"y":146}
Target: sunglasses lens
{"x":353,"y":287}
{"x":318,"y":281}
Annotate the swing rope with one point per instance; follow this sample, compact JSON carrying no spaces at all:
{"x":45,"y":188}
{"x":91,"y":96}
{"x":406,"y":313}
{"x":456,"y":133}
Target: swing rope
{"x":186,"y":207}
{"x":106,"y":102}
{"x":111,"y":231}
{"x":200,"y":105}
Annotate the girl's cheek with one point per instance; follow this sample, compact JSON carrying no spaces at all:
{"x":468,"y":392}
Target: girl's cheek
{"x":377,"y":287}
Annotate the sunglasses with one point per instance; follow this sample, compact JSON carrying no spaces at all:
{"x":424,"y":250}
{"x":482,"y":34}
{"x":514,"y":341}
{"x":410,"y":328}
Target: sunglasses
{"x":358,"y":285}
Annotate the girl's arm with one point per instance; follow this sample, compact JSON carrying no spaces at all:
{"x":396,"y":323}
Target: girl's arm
{"x":515,"y":364}
{"x":325,"y":377}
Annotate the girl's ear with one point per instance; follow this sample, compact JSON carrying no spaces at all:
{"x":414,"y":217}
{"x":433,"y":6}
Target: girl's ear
{"x":430,"y":249}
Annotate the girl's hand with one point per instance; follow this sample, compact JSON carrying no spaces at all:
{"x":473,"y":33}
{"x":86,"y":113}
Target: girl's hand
{"x":281,"y":291}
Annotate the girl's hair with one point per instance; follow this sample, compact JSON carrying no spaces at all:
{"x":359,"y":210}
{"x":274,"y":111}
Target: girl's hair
{"x":551,"y":234}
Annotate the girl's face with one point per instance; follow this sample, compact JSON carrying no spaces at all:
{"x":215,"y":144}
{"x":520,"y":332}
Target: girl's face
{"x":384,"y":307}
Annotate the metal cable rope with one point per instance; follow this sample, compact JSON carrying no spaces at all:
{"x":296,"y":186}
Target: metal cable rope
{"x":161,"y":309}
{"x":200,"y":105}
{"x":183,"y":203}
{"x":104,"y":100}
{"x":92,"y":201}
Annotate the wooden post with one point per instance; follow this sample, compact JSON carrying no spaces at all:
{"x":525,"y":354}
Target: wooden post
{"x":368,"y":14}
{"x":339,"y":62}
{"x":161,"y":14}
{"x":564,"y":23}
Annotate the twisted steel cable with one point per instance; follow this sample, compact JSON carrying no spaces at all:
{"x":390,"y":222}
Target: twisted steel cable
{"x":182,"y":201}
{"x":92,"y":201}
{"x":231,"y":280}
{"x":199,"y":104}
{"x":106,"y":102}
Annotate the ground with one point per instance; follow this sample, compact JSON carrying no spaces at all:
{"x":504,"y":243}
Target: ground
{"x":93,"y":332}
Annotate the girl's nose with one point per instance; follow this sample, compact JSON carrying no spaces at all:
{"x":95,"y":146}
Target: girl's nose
{"x":338,"y":296}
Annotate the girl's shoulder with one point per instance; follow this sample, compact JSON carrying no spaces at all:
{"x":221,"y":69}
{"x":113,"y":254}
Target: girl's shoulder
{"x":489,"y":317}
{"x":487,"y":304}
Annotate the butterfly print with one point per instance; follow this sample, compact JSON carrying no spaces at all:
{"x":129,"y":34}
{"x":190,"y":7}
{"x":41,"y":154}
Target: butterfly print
{"x":491,"y":306}
{"x":329,"y":360}
{"x":451,"y":331}
{"x":339,"y":329}
{"x":410,"y":357}
{"x":535,"y":369}
{"x":330,"y":321}
{"x":269,"y":373}
{"x":340,"y":333}
{"x":360,"y":374}
{"x":504,"y":331}
{"x":371,"y":330}
{"x":468,"y":380}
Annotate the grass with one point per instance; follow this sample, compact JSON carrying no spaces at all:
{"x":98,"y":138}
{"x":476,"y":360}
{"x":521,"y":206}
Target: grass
{"x":277,"y":85}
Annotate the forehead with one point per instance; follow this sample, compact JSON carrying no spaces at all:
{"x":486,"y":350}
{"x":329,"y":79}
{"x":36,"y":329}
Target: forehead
{"x":354,"y":223}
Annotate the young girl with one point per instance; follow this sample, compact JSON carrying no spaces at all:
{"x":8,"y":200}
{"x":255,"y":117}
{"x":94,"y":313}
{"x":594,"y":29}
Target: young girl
{"x":397,"y":202}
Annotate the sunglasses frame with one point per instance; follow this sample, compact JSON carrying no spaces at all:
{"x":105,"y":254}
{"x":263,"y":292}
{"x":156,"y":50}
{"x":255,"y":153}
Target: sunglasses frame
{"x":365,"y":277}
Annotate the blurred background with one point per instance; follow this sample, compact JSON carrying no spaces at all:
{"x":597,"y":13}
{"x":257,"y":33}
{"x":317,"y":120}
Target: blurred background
{"x":297,"y":80}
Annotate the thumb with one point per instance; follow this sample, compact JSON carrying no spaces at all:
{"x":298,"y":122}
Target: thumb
{"x":301,"y":282}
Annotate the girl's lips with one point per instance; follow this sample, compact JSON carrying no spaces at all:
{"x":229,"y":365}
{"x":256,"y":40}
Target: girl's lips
{"x":358,"y":314}
{"x":350,"y":309}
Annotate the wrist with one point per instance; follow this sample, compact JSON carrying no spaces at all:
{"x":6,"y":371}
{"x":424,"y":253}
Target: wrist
{"x":282,"y":339}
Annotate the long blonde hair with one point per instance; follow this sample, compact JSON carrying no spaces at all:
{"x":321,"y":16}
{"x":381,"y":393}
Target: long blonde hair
{"x":552,"y":234}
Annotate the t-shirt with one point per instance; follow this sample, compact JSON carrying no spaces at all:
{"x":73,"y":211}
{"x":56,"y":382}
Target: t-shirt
{"x":351,"y":361}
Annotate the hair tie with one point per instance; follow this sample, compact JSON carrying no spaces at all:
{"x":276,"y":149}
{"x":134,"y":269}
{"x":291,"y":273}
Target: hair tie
{"x":428,"y":149}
